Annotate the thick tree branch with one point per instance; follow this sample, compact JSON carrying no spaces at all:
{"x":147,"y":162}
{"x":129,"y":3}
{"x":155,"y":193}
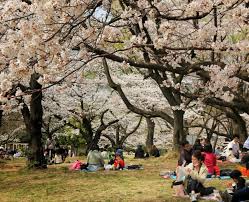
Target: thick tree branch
{"x":131,"y":107}
{"x":126,"y":135}
{"x":150,"y":66}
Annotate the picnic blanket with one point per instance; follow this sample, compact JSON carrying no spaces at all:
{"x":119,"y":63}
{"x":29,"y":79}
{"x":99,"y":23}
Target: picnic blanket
{"x":172,"y":175}
{"x":243,"y":171}
{"x":212,"y":197}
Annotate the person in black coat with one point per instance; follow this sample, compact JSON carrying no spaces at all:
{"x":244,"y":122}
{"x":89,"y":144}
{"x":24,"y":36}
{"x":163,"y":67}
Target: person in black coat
{"x":197,"y":145}
{"x":241,"y":191}
{"x":139,"y":153}
{"x":154,"y":151}
{"x":185,"y":154}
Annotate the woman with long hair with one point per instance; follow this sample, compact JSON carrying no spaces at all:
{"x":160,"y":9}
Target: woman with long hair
{"x":196,"y":173}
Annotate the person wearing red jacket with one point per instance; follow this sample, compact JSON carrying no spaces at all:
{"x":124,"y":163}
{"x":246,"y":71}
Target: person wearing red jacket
{"x":210,"y":160}
{"x":118,"y":162}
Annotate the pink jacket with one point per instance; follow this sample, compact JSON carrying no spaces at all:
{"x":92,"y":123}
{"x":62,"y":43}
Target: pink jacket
{"x":210,"y":161}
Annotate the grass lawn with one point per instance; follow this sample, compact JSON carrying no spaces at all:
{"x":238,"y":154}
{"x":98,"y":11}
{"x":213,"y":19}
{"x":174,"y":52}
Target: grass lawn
{"x":57,"y":183}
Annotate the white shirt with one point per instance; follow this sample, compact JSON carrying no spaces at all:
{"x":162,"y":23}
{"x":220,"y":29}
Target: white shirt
{"x":246,"y":143}
{"x":234,"y":146}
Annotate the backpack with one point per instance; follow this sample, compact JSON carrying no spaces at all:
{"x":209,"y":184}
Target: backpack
{"x":225,"y":172}
{"x":75,"y":166}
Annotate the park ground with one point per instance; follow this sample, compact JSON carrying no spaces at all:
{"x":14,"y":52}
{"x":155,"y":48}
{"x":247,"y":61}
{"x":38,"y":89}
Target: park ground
{"x":57,"y":183}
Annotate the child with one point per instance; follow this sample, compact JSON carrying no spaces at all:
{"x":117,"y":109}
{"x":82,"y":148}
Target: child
{"x":118,"y":162}
{"x":210,"y":161}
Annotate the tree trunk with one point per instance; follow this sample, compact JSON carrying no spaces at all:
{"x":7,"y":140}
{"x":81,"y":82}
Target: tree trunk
{"x":150,"y":134}
{"x":239,"y":128}
{"x":36,"y":158}
{"x":211,"y":131}
{"x":179,"y":134}
{"x":1,"y":117}
{"x":215,"y":142}
{"x":96,"y":139}
{"x":118,"y":141}
{"x":87,"y":132}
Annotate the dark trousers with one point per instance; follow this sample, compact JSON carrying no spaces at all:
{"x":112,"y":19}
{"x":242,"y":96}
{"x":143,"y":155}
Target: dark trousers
{"x":194,"y":185}
{"x":241,"y":195}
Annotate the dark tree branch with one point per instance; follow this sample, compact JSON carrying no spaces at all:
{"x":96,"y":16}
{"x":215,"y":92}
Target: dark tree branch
{"x":131,"y":107}
{"x":123,"y":138}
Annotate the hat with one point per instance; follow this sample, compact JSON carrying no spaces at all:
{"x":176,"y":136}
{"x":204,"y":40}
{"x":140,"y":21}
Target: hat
{"x":119,"y":152}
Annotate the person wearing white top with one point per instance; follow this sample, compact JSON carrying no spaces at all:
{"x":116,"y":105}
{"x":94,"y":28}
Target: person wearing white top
{"x":233,"y":150}
{"x":246,"y":144}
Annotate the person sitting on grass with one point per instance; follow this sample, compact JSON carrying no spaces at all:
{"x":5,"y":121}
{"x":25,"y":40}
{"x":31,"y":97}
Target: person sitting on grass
{"x":246,"y":145}
{"x":197,"y":145}
{"x":239,"y":191}
{"x":139,"y":153}
{"x":118,"y":162}
{"x":233,"y":150}
{"x":196,"y":173}
{"x":154,"y":151}
{"x":210,"y":161}
{"x":230,"y":156}
{"x":185,"y":154}
{"x":95,"y":160}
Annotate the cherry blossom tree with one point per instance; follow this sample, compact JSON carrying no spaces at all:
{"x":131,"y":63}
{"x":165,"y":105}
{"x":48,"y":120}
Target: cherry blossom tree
{"x":192,"y":50}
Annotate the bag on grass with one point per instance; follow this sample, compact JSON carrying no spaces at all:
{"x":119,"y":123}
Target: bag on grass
{"x":134,"y":167}
{"x":225,"y":172}
{"x":75,"y":166}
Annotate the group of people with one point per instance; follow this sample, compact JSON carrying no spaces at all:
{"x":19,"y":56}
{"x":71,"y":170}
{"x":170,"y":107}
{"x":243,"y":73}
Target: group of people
{"x":206,"y":149}
{"x":9,"y":154}
{"x":198,"y":162}
{"x":140,"y":152}
{"x":96,"y":159}
{"x":54,"y":153}
{"x":106,"y":159}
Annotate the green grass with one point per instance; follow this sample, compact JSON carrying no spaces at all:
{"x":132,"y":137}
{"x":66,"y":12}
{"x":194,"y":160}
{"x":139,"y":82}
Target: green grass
{"x":57,"y":183}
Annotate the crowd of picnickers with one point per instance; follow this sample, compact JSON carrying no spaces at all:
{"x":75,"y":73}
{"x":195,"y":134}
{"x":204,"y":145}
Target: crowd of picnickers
{"x":112,"y":159}
{"x":199,"y":161}
{"x":196,"y":163}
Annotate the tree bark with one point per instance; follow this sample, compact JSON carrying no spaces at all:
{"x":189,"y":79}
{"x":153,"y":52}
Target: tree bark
{"x":98,"y":133}
{"x":117,"y":136}
{"x":1,"y":117}
{"x":179,"y":134}
{"x":87,"y":132}
{"x":150,"y":134}
{"x":36,"y":113}
{"x":239,"y":128}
